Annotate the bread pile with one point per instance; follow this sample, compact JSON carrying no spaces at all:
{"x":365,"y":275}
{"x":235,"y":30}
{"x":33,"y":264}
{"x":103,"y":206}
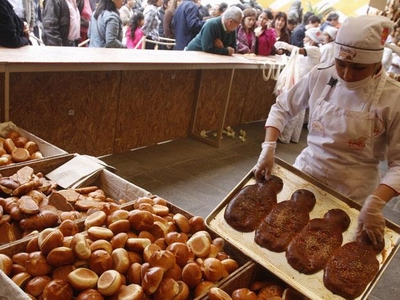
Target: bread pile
{"x":30,"y":203}
{"x":146,"y":252}
{"x":15,"y":148}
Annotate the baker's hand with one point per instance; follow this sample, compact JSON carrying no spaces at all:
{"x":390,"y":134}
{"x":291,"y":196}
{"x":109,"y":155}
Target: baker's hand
{"x":284,"y":45}
{"x":371,"y":219}
{"x":265,"y":161}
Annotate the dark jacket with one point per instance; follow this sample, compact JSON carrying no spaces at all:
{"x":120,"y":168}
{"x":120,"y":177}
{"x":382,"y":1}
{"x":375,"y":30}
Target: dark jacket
{"x":298,"y":35}
{"x":187,"y":23}
{"x":56,"y":23}
{"x":11,"y":27}
{"x":212,"y":30}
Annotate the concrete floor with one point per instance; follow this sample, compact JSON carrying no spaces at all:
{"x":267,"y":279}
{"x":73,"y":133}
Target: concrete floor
{"x":196,"y":177}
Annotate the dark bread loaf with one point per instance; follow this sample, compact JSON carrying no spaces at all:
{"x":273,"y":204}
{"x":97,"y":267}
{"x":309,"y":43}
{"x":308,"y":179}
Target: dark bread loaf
{"x":352,"y":267}
{"x":311,"y":248}
{"x":285,"y":220}
{"x":249,"y":207}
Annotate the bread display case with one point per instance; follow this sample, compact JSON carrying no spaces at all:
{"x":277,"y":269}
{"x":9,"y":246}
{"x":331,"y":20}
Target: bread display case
{"x":311,"y":286}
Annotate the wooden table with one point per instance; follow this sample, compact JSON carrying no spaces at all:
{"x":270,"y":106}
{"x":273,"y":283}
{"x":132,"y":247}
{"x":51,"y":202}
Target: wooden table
{"x":104,"y":101}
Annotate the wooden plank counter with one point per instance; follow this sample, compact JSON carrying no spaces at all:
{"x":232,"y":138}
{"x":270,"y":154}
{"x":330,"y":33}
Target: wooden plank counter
{"x":103,"y":101}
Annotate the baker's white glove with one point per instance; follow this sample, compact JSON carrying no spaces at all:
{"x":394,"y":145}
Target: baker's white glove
{"x":394,"y":48}
{"x":371,"y":219}
{"x":284,"y":45}
{"x":265,"y":161}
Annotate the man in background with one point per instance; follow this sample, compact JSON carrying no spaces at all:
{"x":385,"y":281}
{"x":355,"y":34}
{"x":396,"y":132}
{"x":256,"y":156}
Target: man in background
{"x":187,"y":23}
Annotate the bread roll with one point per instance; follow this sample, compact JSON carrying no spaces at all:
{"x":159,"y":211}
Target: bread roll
{"x":243,"y":294}
{"x":120,"y":259}
{"x":167,"y":290}
{"x":35,"y":285}
{"x":6,"y":264}
{"x":36,"y":264}
{"x":80,"y":246}
{"x":131,"y":292}
{"x":49,"y":239}
{"x":57,"y":289}
{"x":60,"y":256}
{"x":90,"y":294}
{"x":192,"y":274}
{"x":152,"y":279}
{"x":109,"y":283}
{"x":100,"y":261}
{"x":218,"y":294}
{"x":212,"y":269}
{"x":82,"y":279}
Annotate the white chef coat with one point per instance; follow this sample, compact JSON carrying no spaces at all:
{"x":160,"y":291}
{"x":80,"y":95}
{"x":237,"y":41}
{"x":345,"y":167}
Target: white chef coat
{"x":327,"y":54}
{"x":349,"y":131}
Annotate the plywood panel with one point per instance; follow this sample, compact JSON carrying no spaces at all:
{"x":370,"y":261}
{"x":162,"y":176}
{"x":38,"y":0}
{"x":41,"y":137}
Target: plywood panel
{"x":2,"y":79}
{"x":237,"y":97}
{"x":154,"y":106}
{"x":76,"y":111}
{"x":212,"y":94}
{"x":260,"y":97}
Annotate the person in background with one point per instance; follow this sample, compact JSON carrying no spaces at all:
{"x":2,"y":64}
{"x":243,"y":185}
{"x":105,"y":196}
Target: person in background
{"x":265,"y":34}
{"x":14,"y":33}
{"x":169,"y":31}
{"x":151,"y":22}
{"x":86,"y":8}
{"x":331,"y":20}
{"x":161,"y":16}
{"x":298,"y":33}
{"x":187,"y":23}
{"x":328,"y":46}
{"x":308,"y":57}
{"x":134,"y":33}
{"x":61,"y":23}
{"x":38,"y":18}
{"x":105,"y":30}
{"x":354,"y":123}
{"x":218,"y":35}
{"x":203,"y":11}
{"x":25,"y":9}
{"x":291,"y":25}
{"x":126,"y":11}
{"x":280,"y":26}
{"x":246,"y":38}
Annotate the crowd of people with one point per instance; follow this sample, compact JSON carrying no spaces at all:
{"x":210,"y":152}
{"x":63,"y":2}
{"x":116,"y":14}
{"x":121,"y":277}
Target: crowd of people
{"x":125,"y":23}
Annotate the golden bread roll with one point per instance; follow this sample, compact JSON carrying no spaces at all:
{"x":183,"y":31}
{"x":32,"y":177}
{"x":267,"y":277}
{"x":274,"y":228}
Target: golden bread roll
{"x":192,"y":274}
{"x":152,"y":279}
{"x":131,"y":292}
{"x":36,"y":264}
{"x":109,"y":283}
{"x":218,"y":294}
{"x":243,"y":294}
{"x":90,"y":294}
{"x":6,"y":264}
{"x":57,"y":289}
{"x":35,"y":285}
{"x":80,"y":246}
{"x":212,"y":269}
{"x":82,"y":279}
{"x":60,"y":256}
{"x":100,"y":261}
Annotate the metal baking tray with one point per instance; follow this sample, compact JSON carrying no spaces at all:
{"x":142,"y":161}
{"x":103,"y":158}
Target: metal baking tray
{"x":311,"y":286}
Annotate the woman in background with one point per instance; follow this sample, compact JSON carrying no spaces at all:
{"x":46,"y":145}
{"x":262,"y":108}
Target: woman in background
{"x":246,"y":38}
{"x":168,"y":17}
{"x":151,"y":22}
{"x":266,"y":36}
{"x":280,"y":25}
{"x":14,"y":33}
{"x":105,"y":30}
{"x":134,"y":33}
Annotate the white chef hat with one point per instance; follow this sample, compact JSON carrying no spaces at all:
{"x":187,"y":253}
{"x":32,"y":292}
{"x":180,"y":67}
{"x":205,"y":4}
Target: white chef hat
{"x":361,"y":39}
{"x":315,"y":34}
{"x":331,"y":31}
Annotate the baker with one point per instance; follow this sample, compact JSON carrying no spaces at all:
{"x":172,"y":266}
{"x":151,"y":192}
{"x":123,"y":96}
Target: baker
{"x":354,"y":122}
